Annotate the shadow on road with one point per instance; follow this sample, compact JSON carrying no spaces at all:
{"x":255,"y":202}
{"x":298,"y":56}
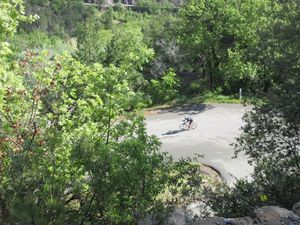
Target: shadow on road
{"x":191,"y":109}
{"x":170,"y":132}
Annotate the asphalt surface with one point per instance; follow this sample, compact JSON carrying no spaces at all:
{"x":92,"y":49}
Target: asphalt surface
{"x":217,"y":127}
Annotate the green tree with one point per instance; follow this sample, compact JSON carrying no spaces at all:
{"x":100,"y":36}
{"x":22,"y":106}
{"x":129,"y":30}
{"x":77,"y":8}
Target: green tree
{"x":93,"y":42}
{"x":270,"y":137}
{"x":58,"y":17}
{"x":165,"y":89}
{"x":11,"y":14}
{"x":122,"y":46}
{"x":71,"y":154}
{"x":217,"y":36}
{"x":73,"y":149}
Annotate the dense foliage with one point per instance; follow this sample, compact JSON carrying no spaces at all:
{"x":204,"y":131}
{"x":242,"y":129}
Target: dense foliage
{"x":219,"y":37}
{"x":271,"y":135}
{"x":211,"y":45}
{"x":58,"y":17}
{"x":59,"y":139}
{"x":73,"y":147}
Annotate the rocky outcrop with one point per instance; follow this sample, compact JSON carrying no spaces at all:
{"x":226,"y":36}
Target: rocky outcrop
{"x":267,"y":215}
{"x":273,"y":215}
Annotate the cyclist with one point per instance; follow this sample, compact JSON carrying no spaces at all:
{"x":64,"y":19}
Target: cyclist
{"x":189,"y":120}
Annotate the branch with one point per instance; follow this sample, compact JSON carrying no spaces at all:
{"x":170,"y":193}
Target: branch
{"x":33,"y":135}
{"x":12,"y":140}
{"x":7,"y":117}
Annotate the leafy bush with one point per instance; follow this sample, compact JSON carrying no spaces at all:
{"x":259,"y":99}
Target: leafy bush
{"x":271,"y":141}
{"x":38,"y":40}
{"x":69,"y":152}
{"x":164,"y":89}
{"x":237,"y":201}
{"x":215,"y":97}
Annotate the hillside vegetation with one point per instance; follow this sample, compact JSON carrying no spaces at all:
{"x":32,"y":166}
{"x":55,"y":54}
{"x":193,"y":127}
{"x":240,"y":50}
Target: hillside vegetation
{"x":73,"y":78}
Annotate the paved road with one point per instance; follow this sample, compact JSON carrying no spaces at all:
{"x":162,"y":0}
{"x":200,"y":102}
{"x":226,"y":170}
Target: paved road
{"x":218,"y":126}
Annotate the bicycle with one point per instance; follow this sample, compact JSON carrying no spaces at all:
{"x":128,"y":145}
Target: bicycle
{"x":186,"y":126}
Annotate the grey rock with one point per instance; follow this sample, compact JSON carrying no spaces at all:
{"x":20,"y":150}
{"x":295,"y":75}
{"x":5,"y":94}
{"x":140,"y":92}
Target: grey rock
{"x":296,"y":208}
{"x":229,"y":221}
{"x":274,"y":215}
{"x":225,"y":221}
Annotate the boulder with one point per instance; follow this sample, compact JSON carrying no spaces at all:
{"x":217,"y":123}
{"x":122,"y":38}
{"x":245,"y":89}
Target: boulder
{"x":273,"y":215}
{"x":296,"y":208}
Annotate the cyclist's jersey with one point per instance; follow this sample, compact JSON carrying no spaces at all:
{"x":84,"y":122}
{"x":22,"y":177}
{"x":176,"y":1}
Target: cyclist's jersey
{"x":189,"y":119}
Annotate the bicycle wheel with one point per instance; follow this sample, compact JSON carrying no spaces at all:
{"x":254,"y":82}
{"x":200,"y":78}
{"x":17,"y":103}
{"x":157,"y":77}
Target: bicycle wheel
{"x":193,"y":126}
{"x":183,"y":126}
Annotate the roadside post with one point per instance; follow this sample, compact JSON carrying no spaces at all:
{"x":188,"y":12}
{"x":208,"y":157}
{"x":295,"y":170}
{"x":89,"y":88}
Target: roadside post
{"x":241,"y":93}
